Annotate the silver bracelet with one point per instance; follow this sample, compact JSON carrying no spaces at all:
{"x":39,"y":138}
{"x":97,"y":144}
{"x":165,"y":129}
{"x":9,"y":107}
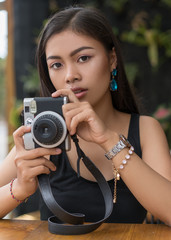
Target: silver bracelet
{"x":123,"y":143}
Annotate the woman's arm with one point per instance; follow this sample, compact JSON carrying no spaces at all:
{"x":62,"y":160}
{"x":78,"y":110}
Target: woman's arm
{"x":7,"y":168}
{"x":25,"y":166}
{"x":149,"y":178}
{"x":155,"y":149}
{"x":7,"y":172}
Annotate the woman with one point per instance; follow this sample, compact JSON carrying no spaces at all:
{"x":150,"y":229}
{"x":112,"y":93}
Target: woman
{"x":79,"y":57}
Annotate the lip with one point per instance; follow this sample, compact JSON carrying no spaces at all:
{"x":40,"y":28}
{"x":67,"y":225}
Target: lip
{"x":79,"y":92}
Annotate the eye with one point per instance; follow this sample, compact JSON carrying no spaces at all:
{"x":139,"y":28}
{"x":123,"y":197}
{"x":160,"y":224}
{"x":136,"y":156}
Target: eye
{"x":56,"y":65}
{"x":84,"y":59}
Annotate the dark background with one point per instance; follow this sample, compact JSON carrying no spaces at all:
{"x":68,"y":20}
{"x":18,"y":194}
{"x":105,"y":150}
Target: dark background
{"x":143,"y":27}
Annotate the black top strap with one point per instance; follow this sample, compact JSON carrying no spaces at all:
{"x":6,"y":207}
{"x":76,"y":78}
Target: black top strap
{"x":134,"y":133}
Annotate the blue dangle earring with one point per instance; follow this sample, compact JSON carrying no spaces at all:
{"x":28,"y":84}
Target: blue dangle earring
{"x":113,"y":83}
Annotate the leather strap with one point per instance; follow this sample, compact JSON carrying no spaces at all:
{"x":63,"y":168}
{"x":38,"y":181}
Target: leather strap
{"x":75,"y":221}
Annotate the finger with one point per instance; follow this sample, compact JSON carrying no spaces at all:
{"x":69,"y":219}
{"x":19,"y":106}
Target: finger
{"x":35,"y":171}
{"x":77,"y":107}
{"x":69,"y":114}
{"x":66,"y":92}
{"x":35,"y":163}
{"x":41,"y":165}
{"x":37,"y":152}
{"x":26,"y":168}
{"x":84,"y":116}
{"x":70,"y":106}
{"x":18,"y":135}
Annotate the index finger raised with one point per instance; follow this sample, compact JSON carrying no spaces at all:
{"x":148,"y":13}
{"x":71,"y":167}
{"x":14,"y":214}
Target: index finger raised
{"x":66,"y":92}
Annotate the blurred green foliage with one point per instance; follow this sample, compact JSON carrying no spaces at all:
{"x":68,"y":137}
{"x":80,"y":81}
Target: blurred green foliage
{"x":118,"y":5}
{"x":131,"y":71}
{"x":163,"y":115}
{"x":150,"y":36}
{"x":31,"y":80}
{"x":167,"y":2}
{"x":15,"y":114}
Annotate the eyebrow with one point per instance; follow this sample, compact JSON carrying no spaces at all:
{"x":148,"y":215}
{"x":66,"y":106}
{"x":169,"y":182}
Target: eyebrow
{"x":72,"y":53}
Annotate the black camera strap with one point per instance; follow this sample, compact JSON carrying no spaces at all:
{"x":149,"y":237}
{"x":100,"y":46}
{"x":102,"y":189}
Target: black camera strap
{"x":73,"y":224}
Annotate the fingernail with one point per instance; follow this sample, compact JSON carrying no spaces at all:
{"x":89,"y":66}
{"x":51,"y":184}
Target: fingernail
{"x":54,"y":168}
{"x":58,"y":150}
{"x":53,"y":94}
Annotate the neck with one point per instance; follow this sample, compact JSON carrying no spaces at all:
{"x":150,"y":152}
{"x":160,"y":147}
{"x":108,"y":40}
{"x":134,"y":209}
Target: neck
{"x":105,"y":110}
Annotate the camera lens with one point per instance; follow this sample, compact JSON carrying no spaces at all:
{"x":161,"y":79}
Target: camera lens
{"x":48,"y":129}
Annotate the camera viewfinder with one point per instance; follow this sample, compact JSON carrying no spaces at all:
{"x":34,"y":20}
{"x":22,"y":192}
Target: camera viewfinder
{"x":26,"y":108}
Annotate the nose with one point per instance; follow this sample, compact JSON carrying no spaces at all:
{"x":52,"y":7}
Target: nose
{"x":72,"y":75}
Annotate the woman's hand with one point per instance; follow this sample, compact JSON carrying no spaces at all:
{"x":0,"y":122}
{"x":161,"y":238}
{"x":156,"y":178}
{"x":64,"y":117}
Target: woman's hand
{"x":81,"y":119}
{"x":30,"y":163}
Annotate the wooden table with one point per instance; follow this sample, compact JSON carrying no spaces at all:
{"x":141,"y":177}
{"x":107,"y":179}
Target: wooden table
{"x":38,"y":230}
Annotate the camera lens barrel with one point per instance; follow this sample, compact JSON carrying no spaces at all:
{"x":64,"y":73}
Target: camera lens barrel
{"x":49,"y":129}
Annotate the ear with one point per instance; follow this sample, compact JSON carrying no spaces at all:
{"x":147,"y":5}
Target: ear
{"x":113,"y":59}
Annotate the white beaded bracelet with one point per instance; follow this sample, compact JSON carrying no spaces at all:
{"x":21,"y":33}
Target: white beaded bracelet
{"x":116,"y":171}
{"x":127,"y":157}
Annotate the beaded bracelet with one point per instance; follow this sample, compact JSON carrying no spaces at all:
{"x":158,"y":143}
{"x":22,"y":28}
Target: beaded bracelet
{"x":19,"y":201}
{"x":116,"y":171}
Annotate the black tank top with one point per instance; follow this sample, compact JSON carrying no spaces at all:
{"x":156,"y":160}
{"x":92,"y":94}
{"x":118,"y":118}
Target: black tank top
{"x":78,"y":195}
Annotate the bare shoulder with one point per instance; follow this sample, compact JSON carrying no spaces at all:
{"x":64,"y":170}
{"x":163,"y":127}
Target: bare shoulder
{"x":150,"y":125}
{"x":149,"y":121}
{"x":155,"y":149}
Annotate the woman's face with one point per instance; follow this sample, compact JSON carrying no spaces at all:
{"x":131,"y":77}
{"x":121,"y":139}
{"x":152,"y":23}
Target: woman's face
{"x":80,"y":63}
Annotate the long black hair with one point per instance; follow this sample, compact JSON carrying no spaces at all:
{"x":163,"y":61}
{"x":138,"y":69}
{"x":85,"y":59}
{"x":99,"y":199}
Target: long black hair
{"x":90,"y":22}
